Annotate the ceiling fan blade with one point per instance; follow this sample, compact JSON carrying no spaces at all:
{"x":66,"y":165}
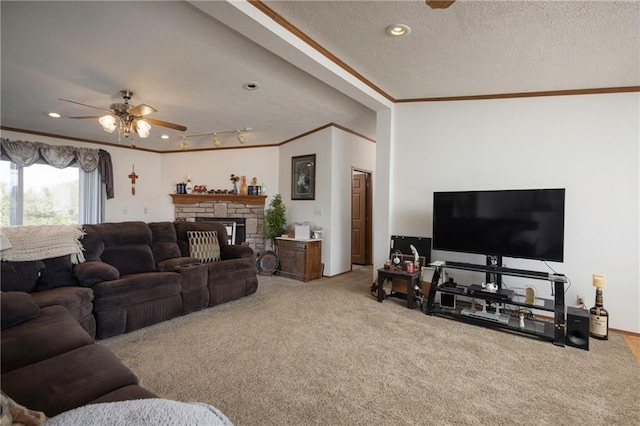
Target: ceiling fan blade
{"x":166,"y":124}
{"x":79,"y":103}
{"x":439,"y":4}
{"x":86,"y":116}
{"x":141,"y":110}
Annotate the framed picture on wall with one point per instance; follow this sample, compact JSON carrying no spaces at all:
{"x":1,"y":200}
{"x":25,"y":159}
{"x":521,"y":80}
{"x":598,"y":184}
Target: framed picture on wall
{"x":303,"y":177}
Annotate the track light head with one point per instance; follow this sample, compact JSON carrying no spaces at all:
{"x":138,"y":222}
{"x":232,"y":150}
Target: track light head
{"x":216,"y":141}
{"x":239,"y":136}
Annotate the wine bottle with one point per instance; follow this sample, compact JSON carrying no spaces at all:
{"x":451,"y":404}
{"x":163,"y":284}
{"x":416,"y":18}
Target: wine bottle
{"x":599,"y":318}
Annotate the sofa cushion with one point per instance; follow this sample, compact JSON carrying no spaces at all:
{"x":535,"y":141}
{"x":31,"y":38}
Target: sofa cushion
{"x":57,"y":272}
{"x":164,"y":243}
{"x":76,"y":300}
{"x":17,"y":307}
{"x":48,"y":335}
{"x":204,"y":245}
{"x":130,"y":259}
{"x":92,"y":243}
{"x":20,"y":276}
{"x":136,"y":288}
{"x":68,"y":380}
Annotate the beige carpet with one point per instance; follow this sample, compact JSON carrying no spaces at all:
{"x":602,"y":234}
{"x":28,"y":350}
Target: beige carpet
{"x":328,"y":353}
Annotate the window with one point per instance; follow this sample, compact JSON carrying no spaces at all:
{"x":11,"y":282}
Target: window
{"x":39,"y":194}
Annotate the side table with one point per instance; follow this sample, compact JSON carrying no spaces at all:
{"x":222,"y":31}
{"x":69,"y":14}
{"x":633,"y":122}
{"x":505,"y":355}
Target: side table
{"x":410,"y":279}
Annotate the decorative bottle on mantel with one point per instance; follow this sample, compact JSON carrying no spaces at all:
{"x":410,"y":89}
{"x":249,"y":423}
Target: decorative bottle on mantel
{"x":243,"y":187}
{"x":598,"y":315}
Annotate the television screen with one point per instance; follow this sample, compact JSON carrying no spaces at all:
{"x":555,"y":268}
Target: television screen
{"x":513,"y":223}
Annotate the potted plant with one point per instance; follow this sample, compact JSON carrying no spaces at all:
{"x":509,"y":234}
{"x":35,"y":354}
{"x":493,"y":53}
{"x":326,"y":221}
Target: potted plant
{"x":275,"y":219}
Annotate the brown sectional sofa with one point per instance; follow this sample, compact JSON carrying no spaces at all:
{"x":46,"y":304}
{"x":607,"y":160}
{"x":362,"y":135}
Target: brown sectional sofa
{"x":51,"y":364}
{"x":135,"y":274}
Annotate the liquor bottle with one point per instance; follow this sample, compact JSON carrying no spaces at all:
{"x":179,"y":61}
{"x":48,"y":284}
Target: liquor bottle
{"x":599,"y":318}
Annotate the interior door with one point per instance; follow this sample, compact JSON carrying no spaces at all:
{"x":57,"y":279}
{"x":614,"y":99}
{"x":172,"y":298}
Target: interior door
{"x":358,"y":219}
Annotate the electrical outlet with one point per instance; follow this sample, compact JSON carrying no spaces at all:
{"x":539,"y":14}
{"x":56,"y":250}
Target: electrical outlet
{"x":580,"y":300}
{"x":125,"y":210}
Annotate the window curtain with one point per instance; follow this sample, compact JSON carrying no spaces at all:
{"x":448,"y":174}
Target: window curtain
{"x":92,"y":203}
{"x":25,"y":153}
{"x":96,"y":183}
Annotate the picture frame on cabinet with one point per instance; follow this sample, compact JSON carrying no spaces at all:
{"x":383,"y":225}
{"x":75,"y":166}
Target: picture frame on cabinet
{"x":303,"y":177}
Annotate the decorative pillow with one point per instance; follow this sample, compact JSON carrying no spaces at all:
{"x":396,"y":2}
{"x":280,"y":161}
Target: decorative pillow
{"x":204,"y":245}
{"x":17,"y":307}
{"x":16,"y":414}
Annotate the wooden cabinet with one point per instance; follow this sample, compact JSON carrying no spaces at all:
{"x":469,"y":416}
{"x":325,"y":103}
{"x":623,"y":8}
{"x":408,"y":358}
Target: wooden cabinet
{"x":299,"y":259}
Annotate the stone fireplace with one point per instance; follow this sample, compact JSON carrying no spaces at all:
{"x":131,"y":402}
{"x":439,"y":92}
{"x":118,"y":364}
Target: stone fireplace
{"x":225,"y":208}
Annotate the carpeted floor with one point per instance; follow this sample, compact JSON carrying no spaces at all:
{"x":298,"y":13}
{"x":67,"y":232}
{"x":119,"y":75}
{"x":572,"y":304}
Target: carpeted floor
{"x":326,"y":352}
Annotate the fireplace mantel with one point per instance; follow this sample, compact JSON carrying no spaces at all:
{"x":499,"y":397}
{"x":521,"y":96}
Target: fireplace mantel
{"x":199,"y":198}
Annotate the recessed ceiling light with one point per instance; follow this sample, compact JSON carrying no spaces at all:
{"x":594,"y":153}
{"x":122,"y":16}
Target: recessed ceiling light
{"x":54,"y":115}
{"x":251,"y":85}
{"x":164,"y":137}
{"x":397,"y":30}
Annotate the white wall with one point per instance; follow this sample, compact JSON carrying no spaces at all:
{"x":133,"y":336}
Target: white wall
{"x":214,"y":168}
{"x":348,"y":151}
{"x":587,"y":144}
{"x":336,"y":152}
{"x":147,"y":167}
{"x":317,"y":211}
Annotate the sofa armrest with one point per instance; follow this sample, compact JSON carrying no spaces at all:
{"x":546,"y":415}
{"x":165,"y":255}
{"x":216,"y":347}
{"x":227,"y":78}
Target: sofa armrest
{"x":94,"y":272}
{"x":171,"y":265}
{"x":236,"y":251}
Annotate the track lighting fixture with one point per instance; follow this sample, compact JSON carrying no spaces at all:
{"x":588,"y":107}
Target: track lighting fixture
{"x":216,"y":142}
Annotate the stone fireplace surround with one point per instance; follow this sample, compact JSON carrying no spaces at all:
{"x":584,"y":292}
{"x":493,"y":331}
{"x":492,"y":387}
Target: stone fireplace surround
{"x":188,"y":207}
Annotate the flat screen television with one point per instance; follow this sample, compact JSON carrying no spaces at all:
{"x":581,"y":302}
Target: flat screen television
{"x":521,"y":223}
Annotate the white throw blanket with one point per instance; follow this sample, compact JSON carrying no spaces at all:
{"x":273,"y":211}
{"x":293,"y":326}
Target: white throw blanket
{"x":143,"y":412}
{"x":42,"y":242}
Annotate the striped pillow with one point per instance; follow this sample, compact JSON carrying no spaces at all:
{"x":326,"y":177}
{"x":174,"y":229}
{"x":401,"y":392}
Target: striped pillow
{"x":204,"y":245}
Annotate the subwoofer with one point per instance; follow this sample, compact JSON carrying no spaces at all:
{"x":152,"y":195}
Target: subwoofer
{"x":577,"y":328}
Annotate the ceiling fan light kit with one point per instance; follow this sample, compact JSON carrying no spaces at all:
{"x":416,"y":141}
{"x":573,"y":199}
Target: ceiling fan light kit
{"x":128,"y":119}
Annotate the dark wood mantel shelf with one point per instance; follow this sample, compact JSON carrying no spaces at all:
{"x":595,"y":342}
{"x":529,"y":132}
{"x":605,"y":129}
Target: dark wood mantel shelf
{"x":199,"y":198}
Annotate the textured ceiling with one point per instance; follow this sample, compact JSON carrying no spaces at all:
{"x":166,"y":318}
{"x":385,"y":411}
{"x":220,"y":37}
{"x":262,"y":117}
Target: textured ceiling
{"x":179,"y":58}
{"x":478,"y":47}
{"x":173,"y":57}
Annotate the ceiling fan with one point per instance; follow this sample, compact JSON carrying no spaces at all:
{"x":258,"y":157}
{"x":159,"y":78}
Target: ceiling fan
{"x":127,"y":118}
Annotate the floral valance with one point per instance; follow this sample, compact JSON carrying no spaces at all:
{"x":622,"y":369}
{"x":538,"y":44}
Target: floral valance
{"x":25,"y":153}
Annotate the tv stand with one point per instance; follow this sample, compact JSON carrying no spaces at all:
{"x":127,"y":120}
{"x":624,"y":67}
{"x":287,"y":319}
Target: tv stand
{"x":553,"y":331}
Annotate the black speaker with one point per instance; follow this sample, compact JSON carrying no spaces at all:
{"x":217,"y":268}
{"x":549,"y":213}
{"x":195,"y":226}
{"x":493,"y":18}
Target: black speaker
{"x":577,"y":328}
